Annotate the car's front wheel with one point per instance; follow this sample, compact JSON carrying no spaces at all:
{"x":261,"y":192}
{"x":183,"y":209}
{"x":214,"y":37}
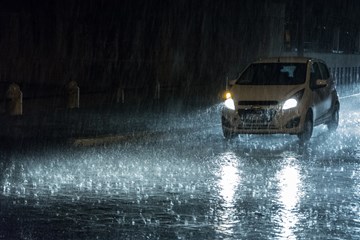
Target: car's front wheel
{"x":227,"y":128}
{"x":228,"y":134}
{"x":334,"y":121}
{"x":306,"y":134}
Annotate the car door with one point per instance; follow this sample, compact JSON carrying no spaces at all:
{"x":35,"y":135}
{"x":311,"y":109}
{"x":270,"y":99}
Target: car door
{"x":320,"y":94}
{"x":327,"y":89}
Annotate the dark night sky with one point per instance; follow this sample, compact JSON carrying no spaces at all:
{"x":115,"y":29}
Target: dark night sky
{"x":102,"y":44}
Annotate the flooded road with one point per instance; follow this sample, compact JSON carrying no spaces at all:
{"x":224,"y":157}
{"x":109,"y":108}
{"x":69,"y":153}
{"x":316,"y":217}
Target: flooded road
{"x":188,"y":184}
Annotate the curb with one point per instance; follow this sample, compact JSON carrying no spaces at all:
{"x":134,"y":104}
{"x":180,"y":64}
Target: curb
{"x":109,"y":139}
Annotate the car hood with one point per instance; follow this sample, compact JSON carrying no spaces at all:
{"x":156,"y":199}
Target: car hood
{"x":264,"y":93}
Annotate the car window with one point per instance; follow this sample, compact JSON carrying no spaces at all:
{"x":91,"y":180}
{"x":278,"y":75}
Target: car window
{"x":324,"y":71}
{"x":273,"y":74}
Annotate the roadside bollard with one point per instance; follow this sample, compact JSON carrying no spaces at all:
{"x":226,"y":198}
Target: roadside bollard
{"x":13,"y":100}
{"x":72,"y":95}
{"x":120,"y":95}
{"x":157,"y":91}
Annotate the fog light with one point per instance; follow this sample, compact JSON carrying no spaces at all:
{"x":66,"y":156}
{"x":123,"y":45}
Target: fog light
{"x":293,"y":123}
{"x":227,"y":95}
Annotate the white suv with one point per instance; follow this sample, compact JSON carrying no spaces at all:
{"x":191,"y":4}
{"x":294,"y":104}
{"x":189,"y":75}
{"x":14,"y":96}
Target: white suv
{"x":281,"y":95}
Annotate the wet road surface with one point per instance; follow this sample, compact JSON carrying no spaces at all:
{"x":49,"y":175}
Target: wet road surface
{"x":188,"y":183}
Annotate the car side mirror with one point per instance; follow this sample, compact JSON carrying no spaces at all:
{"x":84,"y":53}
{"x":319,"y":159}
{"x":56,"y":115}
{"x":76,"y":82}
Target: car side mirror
{"x":320,"y":83}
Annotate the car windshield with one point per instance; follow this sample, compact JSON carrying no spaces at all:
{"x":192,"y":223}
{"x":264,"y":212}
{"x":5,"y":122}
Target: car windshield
{"x":273,"y":74}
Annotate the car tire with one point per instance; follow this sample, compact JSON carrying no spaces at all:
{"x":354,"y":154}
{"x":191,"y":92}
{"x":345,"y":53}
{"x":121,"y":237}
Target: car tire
{"x":333,"y":124}
{"x":306,"y":134}
{"x":228,"y":134}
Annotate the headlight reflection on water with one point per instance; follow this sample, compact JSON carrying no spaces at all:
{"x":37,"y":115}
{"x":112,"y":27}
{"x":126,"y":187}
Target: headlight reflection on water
{"x":228,"y":182}
{"x":356,"y":177}
{"x":290,"y":186}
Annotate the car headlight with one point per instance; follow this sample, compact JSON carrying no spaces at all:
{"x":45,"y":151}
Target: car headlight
{"x":229,"y":103}
{"x":290,"y":103}
{"x":293,"y":101}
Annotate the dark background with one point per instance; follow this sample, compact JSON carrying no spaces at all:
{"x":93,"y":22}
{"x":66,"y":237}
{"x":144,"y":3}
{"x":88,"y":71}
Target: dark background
{"x":184,"y":45}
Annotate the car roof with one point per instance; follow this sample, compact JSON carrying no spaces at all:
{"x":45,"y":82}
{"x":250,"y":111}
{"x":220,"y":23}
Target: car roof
{"x":287,"y":60}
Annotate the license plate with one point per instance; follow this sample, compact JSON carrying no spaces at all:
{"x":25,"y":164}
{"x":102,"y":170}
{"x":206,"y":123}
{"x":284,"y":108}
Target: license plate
{"x":253,"y":116}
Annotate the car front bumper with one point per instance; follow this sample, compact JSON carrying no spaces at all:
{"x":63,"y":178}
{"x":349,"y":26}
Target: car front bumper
{"x":262,"y":121}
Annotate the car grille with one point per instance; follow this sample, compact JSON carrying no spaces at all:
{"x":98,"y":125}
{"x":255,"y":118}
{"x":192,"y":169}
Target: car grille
{"x":257,"y":103}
